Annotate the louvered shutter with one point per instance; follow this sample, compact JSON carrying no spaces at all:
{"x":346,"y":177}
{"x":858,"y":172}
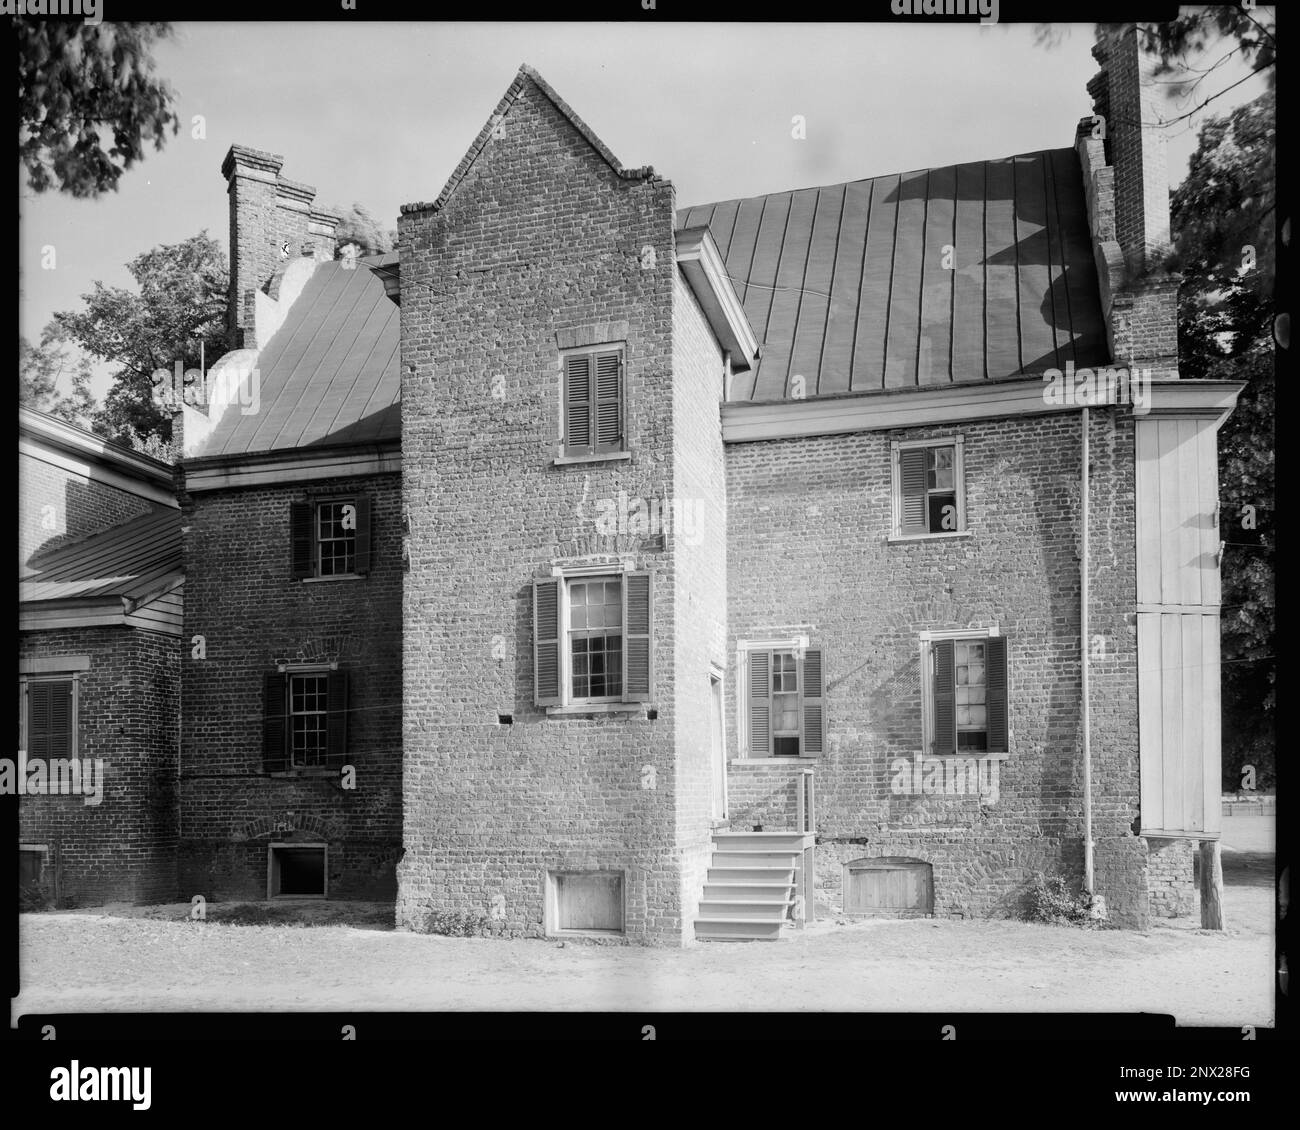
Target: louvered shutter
{"x":362,"y":556}
{"x":945,"y":699}
{"x":995,"y":678}
{"x":577,"y":403}
{"x":546,"y":642}
{"x":302,"y":523}
{"x":275,"y":730}
{"x":760,"y":704}
{"x":813,"y":681}
{"x":49,"y":718}
{"x":912,"y":488}
{"x":638,"y":673}
{"x":336,"y":720}
{"x":609,"y":401}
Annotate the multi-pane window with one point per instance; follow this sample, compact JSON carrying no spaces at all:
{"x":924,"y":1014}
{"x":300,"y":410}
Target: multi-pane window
{"x":336,"y":537}
{"x":308,"y":710}
{"x":928,"y":489}
{"x":972,"y":711}
{"x":305,"y":720}
{"x":966,"y":696}
{"x":785,"y":705}
{"x":593,"y":402}
{"x":596,"y":638}
{"x":783,"y":713}
{"x":331,"y":537}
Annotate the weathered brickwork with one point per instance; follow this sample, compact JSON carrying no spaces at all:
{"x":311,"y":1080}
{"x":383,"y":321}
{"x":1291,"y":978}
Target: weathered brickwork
{"x":818,"y":511}
{"x":122,"y":849}
{"x":1170,"y":878}
{"x":56,"y":506}
{"x":240,"y":596}
{"x":540,"y":236}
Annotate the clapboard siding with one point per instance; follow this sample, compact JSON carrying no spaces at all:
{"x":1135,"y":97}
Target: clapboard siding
{"x":163,"y":614}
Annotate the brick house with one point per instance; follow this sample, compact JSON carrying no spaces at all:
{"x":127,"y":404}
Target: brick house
{"x":99,"y":620}
{"x":715,"y":562}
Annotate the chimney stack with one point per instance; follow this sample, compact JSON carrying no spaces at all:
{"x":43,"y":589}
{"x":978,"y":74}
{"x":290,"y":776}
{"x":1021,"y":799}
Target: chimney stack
{"x":272,"y":223}
{"x":1127,"y":184}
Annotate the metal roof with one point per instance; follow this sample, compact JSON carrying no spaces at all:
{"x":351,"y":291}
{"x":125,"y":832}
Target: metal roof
{"x":137,"y":560}
{"x":849,"y":287}
{"x":329,"y":374}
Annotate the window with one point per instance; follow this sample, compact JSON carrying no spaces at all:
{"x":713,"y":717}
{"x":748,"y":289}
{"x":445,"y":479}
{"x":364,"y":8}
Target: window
{"x":965,"y":699}
{"x":929,"y":488}
{"x":592,"y":639}
{"x":586,"y":902}
{"x":304,"y":723}
{"x":331,"y":537}
{"x":296,"y":871}
{"x":596,"y":639}
{"x":785,"y":707}
{"x":593,"y":402}
{"x":49,"y":719}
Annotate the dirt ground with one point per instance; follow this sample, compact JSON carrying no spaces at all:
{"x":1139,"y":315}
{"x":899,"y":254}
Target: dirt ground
{"x":150,"y":959}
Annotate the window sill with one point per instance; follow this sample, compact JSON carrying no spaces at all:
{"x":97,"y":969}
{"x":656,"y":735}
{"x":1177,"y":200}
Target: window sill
{"x":800,"y":760}
{"x":312,"y":772}
{"x":601,"y":457}
{"x":581,"y":708}
{"x":973,"y":754}
{"x":335,"y":577}
{"x":948,"y":535}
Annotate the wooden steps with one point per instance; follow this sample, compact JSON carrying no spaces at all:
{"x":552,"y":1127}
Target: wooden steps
{"x":750,"y":890}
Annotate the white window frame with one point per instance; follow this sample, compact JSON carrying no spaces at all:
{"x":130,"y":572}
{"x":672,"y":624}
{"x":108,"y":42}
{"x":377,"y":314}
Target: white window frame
{"x":552,"y":902}
{"x":270,"y":868}
{"x":927,"y":685}
{"x":797,"y":644}
{"x":612,"y":567}
{"x":896,"y":448}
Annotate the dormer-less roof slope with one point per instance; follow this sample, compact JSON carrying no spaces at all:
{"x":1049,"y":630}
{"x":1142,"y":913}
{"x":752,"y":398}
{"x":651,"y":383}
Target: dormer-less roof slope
{"x":329,"y":375}
{"x":132,"y":562}
{"x":971,"y":272}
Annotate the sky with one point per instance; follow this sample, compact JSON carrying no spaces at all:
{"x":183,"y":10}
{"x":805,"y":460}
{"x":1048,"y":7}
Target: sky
{"x":382,"y":113}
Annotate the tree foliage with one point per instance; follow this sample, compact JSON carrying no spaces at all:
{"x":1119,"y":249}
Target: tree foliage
{"x":78,"y":82}
{"x":1224,"y":214}
{"x":42,"y":368}
{"x":178,"y":308}
{"x":359,"y":227}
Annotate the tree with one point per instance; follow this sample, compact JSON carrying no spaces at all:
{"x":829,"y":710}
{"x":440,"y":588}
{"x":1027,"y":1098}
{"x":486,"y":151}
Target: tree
{"x":1224,"y":213}
{"x":76,"y":80}
{"x":358,"y":226}
{"x":180,"y":307}
{"x":41,"y":368}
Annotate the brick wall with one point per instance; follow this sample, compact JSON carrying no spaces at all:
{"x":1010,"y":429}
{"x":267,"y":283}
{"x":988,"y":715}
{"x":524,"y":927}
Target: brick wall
{"x":124,"y":847}
{"x":1170,"y":878}
{"x":540,"y":236}
{"x":240,"y":596}
{"x":56,"y":506}
{"x":815,"y":513}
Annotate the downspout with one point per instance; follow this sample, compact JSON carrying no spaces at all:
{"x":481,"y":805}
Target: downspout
{"x":1083,"y":662}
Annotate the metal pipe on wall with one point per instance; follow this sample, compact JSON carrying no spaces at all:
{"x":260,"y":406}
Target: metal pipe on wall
{"x":1083,"y":660}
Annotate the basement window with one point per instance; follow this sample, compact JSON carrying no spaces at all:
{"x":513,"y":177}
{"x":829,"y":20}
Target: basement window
{"x":296,"y":871}
{"x":585,"y":902}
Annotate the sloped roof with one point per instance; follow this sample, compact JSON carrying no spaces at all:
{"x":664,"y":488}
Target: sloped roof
{"x":847,"y":285}
{"x":329,"y":374}
{"x":136,"y":560}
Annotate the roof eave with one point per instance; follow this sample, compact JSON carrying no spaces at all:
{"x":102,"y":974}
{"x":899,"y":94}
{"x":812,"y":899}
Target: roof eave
{"x":702,"y":264}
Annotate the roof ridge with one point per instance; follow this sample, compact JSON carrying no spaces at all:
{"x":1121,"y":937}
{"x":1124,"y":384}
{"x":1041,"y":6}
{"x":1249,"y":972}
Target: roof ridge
{"x":512,"y":94}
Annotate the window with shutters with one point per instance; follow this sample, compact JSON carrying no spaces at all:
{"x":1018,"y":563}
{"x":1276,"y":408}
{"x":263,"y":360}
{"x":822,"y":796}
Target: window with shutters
{"x":304,"y":725}
{"x":964,"y":695}
{"x":330,"y":538}
{"x":594,"y":402}
{"x":783,"y":713}
{"x":592,"y":640}
{"x":929,"y":488}
{"x":49,"y":717}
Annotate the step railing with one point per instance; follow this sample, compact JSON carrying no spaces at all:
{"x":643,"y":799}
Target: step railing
{"x":804,"y":909}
